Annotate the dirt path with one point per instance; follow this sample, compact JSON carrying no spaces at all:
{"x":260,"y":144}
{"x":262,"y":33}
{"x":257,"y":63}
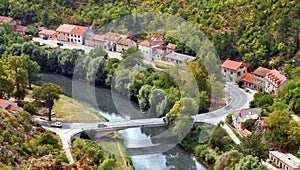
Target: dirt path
{"x":121,"y":153}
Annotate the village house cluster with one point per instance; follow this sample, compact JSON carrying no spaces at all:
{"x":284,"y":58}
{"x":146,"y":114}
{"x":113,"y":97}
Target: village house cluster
{"x":261,"y":79}
{"x":17,"y":27}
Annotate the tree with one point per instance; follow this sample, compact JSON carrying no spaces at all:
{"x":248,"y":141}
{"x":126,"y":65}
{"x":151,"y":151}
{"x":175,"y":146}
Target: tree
{"x":6,"y":83}
{"x":144,"y":96}
{"x":107,"y":164}
{"x":47,"y":138}
{"x":278,"y":119}
{"x":252,"y":145}
{"x":46,"y":95}
{"x":220,"y":139}
{"x":250,"y":162}
{"x":33,"y":72}
{"x":228,"y":160}
{"x":262,"y":100}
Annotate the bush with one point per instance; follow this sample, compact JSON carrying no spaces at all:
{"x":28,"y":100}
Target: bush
{"x":229,"y":118}
{"x":30,"y":108}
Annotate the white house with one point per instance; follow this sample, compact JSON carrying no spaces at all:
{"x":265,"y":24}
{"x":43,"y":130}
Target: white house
{"x":274,"y":80}
{"x":233,"y":70}
{"x":147,"y":48}
{"x":71,"y":33}
{"x":285,"y":161}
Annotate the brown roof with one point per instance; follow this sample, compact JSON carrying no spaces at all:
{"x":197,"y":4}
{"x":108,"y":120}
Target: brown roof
{"x":147,"y":43}
{"x":260,"y":71}
{"x":111,"y":36}
{"x":232,"y":65}
{"x":246,"y":132}
{"x":248,"y":77}
{"x":125,"y":41}
{"x":5,"y":19}
{"x":20,"y":28}
{"x":47,"y":32}
{"x":66,"y":28}
{"x":171,"y":46}
{"x":157,"y":37}
{"x":99,"y":37}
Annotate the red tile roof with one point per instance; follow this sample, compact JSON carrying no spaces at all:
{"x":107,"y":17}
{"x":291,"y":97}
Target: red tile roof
{"x":14,"y":108}
{"x":78,"y":30}
{"x":261,"y":71}
{"x":232,"y":65}
{"x":71,"y":29}
{"x":147,"y":43}
{"x":276,"y":78}
{"x":20,"y":28}
{"x":245,"y":133}
{"x":125,"y":41}
{"x":248,"y":77}
{"x":171,"y":46}
{"x":5,"y":19}
{"x":47,"y":32}
{"x":2,"y":101}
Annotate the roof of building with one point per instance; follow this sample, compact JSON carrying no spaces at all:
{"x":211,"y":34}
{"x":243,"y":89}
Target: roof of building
{"x":5,"y":104}
{"x":157,"y":37}
{"x":248,"y":77}
{"x":180,"y":57}
{"x":147,"y":43}
{"x":78,"y":30}
{"x":245,"y":114}
{"x":20,"y":28}
{"x":99,"y":37}
{"x":246,"y":132}
{"x":171,"y":46}
{"x":114,"y":37}
{"x":125,"y":41}
{"x":287,"y":158}
{"x":276,"y":78}
{"x":159,"y":51}
{"x":233,"y":65}
{"x":66,"y":28}
{"x":6,"y":19}
{"x":261,"y":71}
{"x":2,"y":101}
{"x":47,"y":32}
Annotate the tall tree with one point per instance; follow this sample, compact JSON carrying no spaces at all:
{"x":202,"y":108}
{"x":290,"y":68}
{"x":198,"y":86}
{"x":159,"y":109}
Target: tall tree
{"x":33,"y":72}
{"x":228,"y":159}
{"x":250,"y":162}
{"x":252,"y":145}
{"x":46,"y":95}
{"x":6,"y":83}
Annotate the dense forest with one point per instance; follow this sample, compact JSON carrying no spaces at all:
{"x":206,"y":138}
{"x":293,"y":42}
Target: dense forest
{"x":263,"y":33}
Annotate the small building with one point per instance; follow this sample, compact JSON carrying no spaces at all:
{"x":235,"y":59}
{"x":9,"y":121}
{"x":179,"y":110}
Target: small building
{"x":12,"y":106}
{"x":159,"y":54}
{"x":248,"y":80}
{"x":157,"y":39}
{"x":259,"y":80}
{"x":20,"y":29}
{"x":274,"y":80}
{"x":111,"y":39}
{"x":178,"y":58}
{"x":284,"y":160}
{"x":240,"y":116}
{"x":125,"y":43}
{"x":147,"y":48}
{"x":48,"y":34}
{"x":8,"y":20}
{"x":170,"y":47}
{"x":233,"y":70}
{"x":246,"y":133}
{"x":99,"y":40}
{"x":71,"y":33}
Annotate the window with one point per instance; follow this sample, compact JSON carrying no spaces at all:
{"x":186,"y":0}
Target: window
{"x":244,"y":71}
{"x":239,"y":73}
{"x":231,"y":72}
{"x":78,"y":40}
{"x":225,"y":71}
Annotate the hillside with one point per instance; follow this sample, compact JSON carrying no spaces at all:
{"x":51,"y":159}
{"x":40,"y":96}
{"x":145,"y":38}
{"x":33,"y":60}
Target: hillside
{"x":22,"y":145}
{"x":263,"y":33}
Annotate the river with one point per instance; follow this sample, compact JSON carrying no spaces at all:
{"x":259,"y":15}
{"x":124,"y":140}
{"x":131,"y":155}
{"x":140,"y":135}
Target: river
{"x":114,"y":107}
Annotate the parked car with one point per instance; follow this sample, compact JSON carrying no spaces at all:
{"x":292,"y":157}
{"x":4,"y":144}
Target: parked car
{"x":60,"y":44}
{"x":56,"y":124}
{"x":101,"y":125}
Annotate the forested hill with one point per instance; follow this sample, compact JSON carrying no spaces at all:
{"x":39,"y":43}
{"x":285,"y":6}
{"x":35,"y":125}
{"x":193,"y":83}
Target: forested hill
{"x":261,"y":32}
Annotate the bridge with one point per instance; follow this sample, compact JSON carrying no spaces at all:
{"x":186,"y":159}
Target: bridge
{"x":239,"y":99}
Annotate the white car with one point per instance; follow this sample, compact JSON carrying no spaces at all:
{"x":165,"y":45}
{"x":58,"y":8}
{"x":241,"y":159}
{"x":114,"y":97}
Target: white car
{"x":56,"y":124}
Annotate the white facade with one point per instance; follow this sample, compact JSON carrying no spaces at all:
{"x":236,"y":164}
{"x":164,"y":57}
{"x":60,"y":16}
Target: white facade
{"x":148,"y":52}
{"x":78,"y":39}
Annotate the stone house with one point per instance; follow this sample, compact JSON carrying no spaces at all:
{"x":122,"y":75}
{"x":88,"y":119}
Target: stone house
{"x":177,"y":58}
{"x":170,"y":47}
{"x":111,"y":39}
{"x":248,"y":80}
{"x":274,"y":80}
{"x":240,"y":116}
{"x":147,"y":48}
{"x":284,"y":161}
{"x":233,"y":70}
{"x":259,"y":80}
{"x":125,"y":43}
{"x":8,"y":20}
{"x":20,"y":29}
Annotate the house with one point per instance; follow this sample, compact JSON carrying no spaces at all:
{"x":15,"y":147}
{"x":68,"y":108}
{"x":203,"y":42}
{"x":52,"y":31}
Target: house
{"x":125,"y":43}
{"x":158,"y":39}
{"x":248,"y":80}
{"x":147,"y":48}
{"x":98,"y":40}
{"x":240,"y":116}
{"x":8,"y":20}
{"x":111,"y":39}
{"x":71,"y":33}
{"x":259,"y":80}
{"x":170,"y":47}
{"x":178,"y":58}
{"x":12,"y":106}
{"x":159,"y":54}
{"x":48,"y":34}
{"x":274,"y":80}
{"x":233,"y":70}
{"x":20,"y":29}
{"x":284,"y":160}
